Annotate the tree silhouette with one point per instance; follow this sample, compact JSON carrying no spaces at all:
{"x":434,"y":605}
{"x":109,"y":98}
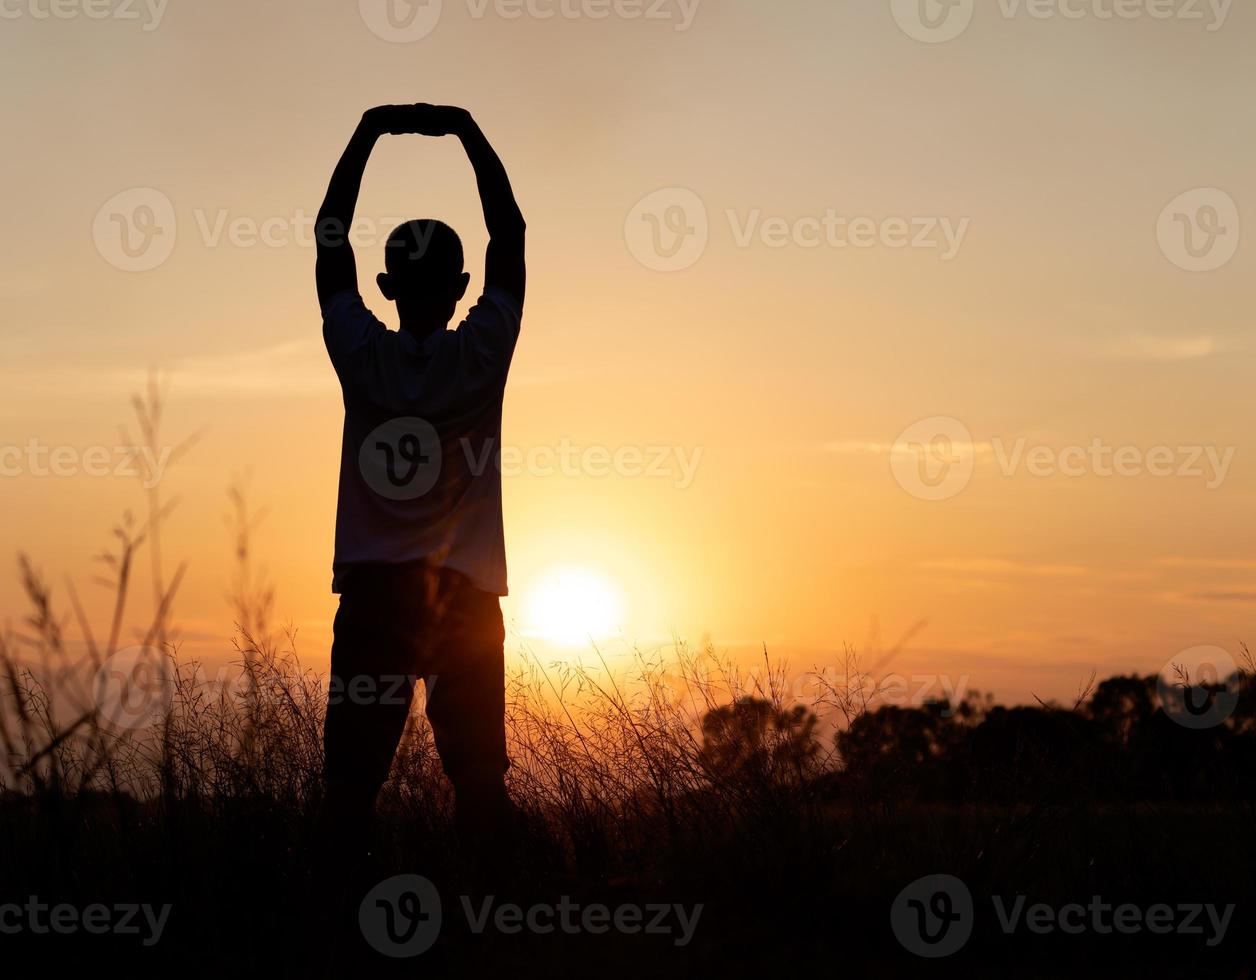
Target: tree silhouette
{"x":755,"y":742}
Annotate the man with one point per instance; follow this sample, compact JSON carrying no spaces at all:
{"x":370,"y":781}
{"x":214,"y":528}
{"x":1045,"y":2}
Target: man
{"x":420,"y":556}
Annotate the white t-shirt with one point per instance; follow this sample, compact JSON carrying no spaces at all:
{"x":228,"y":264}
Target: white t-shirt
{"x":420,"y":475}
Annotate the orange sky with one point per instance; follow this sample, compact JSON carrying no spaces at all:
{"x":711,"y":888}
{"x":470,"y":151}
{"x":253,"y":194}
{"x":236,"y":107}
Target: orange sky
{"x":989,"y":230}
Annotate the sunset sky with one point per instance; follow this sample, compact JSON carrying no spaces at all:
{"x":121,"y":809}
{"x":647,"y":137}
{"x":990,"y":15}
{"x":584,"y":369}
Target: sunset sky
{"x":986,"y":233}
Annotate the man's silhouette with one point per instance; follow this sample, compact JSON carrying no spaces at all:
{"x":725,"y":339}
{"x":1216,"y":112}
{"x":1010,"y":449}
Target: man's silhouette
{"x":420,"y":556}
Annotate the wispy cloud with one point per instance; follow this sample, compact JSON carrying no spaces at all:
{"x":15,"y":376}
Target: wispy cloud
{"x":1003,"y":566}
{"x":1221,"y":563}
{"x":863,"y":448}
{"x":291,"y":367}
{"x":1141,"y":347}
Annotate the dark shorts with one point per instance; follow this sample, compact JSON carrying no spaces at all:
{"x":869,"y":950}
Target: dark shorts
{"x":398,"y":624}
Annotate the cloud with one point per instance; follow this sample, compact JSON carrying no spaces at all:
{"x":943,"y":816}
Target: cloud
{"x":1224,"y":563}
{"x":1140,"y":347}
{"x":858,"y":448}
{"x":1222,"y":596}
{"x":1003,"y":566}
{"x":292,"y":367}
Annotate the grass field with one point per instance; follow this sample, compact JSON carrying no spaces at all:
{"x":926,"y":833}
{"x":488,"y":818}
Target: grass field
{"x":676,"y":818}
{"x":786,"y":848}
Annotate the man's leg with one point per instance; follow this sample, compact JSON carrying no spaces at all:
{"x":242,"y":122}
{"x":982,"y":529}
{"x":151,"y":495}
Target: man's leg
{"x":466,"y":705}
{"x":372,"y":682}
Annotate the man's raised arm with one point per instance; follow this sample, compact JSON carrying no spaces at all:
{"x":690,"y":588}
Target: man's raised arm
{"x":336,"y":269}
{"x":504,"y":264}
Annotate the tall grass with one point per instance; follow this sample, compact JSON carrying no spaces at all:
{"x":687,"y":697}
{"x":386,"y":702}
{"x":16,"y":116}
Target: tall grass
{"x":602,"y":759}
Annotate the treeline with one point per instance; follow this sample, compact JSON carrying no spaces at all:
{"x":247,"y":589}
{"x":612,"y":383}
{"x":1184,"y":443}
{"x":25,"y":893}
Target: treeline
{"x":1130,"y":739}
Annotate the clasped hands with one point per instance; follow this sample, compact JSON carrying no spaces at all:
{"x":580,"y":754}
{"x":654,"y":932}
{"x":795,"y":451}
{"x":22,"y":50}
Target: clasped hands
{"x":419,"y":119}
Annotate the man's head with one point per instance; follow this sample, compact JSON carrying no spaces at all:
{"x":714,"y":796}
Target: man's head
{"x":424,"y":274}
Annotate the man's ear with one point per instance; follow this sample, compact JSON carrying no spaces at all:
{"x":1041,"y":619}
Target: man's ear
{"x":463,"y":282}
{"x":385,"y":286}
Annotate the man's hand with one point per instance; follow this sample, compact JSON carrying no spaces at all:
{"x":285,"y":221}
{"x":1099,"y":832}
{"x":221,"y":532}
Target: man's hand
{"x":439,"y":120}
{"x":419,"y":119}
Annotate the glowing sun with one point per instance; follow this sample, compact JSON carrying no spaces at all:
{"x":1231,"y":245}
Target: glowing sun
{"x":572,"y":607}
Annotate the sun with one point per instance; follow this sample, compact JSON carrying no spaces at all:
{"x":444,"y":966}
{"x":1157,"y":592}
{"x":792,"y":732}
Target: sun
{"x":573,"y":607}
